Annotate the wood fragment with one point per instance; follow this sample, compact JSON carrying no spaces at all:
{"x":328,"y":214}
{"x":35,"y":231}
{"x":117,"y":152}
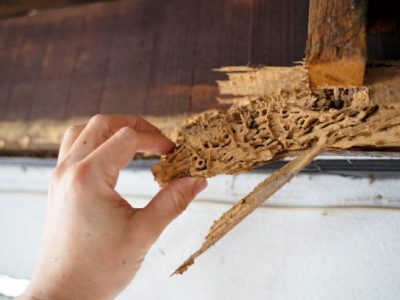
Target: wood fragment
{"x":281,"y":121}
{"x":336,"y":43}
{"x":247,"y":205}
{"x":264,"y":190}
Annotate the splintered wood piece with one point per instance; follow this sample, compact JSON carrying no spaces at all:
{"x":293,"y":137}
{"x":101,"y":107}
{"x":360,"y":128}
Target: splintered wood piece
{"x":282,"y":120}
{"x":275,"y":114}
{"x":273,"y":183}
{"x":336,"y":43}
{"x":247,"y":205}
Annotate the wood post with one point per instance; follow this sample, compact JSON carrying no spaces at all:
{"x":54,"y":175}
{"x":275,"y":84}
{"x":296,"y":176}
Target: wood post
{"x":336,"y":43}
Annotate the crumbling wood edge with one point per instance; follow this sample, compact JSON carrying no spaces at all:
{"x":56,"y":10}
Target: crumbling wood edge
{"x":275,"y":114}
{"x":273,"y":183}
{"x":279,"y":115}
{"x":261,"y":193}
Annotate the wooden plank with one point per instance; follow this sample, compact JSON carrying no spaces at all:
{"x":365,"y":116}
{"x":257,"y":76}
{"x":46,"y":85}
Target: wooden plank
{"x":11,"y":39}
{"x":129,"y":55}
{"x":274,"y":42}
{"x":336,"y":43}
{"x":26,"y":70}
{"x":142,"y":57}
{"x":57,"y":68}
{"x":174,"y":58}
{"x":91,"y":66}
{"x":21,"y":7}
{"x":224,"y":38}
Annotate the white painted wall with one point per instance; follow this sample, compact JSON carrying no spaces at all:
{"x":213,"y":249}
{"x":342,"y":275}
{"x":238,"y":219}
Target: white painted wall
{"x":320,"y":237}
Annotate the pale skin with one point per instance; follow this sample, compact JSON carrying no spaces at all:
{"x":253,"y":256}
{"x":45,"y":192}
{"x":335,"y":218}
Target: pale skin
{"x":94,"y":241}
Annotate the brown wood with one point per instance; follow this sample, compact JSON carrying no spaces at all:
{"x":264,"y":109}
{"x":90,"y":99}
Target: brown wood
{"x":148,"y":57}
{"x":336,"y":43}
{"x":10,"y":8}
{"x":284,"y":119}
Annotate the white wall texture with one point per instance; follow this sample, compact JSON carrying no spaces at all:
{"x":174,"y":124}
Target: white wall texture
{"x":320,"y":237}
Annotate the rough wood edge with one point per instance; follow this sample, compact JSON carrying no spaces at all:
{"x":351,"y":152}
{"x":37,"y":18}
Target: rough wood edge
{"x":261,"y":193}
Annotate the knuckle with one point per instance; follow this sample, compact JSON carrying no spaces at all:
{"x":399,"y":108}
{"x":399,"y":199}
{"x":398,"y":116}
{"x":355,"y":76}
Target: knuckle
{"x":101,"y":123}
{"x":57,"y":173}
{"x":99,"y":119}
{"x":128,"y":132}
{"x":70,"y":131}
{"x":80,"y":172}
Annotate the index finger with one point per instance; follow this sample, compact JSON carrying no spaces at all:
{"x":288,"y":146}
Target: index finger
{"x":101,"y":127}
{"x":119,"y":150}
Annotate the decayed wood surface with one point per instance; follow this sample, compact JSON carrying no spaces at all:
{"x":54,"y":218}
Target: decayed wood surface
{"x":278,"y":115}
{"x":247,"y":205}
{"x":336,"y":43}
{"x":280,"y":119}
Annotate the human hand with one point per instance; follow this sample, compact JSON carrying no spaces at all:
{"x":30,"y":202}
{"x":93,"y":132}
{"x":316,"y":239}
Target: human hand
{"x":94,"y":241}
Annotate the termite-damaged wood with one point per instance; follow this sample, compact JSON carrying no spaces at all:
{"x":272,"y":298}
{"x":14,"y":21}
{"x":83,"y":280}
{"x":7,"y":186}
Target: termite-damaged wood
{"x":276,"y":118}
{"x":281,"y":118}
{"x":336,"y":42}
{"x":247,"y":205}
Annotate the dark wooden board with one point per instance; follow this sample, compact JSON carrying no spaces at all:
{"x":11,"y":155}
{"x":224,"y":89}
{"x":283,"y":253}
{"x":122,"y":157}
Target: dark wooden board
{"x":147,"y":57}
{"x":11,"y":8}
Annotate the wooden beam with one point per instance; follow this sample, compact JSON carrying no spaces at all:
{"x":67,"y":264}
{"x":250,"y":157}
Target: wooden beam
{"x":21,"y":7}
{"x":336,"y":43}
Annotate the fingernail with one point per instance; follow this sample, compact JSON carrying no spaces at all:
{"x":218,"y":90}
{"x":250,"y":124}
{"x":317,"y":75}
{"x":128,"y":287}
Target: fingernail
{"x":199,"y":185}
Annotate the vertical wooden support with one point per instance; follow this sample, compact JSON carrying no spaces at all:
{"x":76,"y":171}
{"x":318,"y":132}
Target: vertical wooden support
{"x":336,"y":43}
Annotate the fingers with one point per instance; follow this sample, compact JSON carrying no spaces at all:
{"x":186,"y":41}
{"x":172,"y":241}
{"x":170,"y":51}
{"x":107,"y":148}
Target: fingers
{"x":70,"y":135}
{"x":102,"y":127}
{"x":169,"y":203}
{"x":118,"y":151}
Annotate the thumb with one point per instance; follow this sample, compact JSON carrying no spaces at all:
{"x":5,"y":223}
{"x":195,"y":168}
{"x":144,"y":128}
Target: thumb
{"x":170,"y":202}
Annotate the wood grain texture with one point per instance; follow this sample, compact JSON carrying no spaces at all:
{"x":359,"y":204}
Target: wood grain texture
{"x":147,"y":57}
{"x":10,"y":8}
{"x":336,"y":43}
